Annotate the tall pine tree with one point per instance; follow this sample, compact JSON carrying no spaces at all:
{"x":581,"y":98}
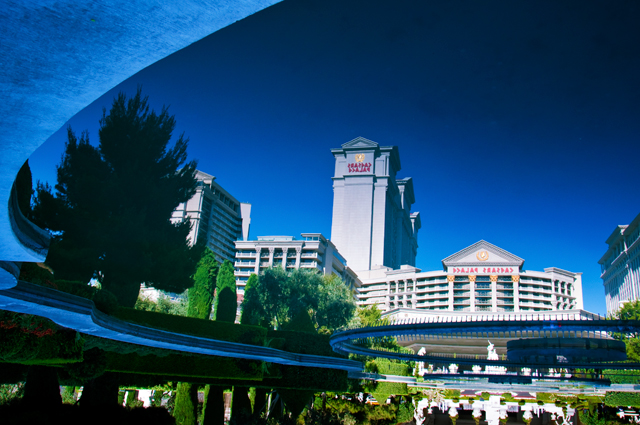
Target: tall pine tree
{"x":113,"y":203}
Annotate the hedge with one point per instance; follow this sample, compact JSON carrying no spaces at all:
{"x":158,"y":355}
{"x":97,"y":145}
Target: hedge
{"x":38,"y":274}
{"x":622,"y":376}
{"x":301,"y":343}
{"x":245,"y":334}
{"x":189,"y":366}
{"x":386,"y":367}
{"x":34,"y":340}
{"x":295,"y":400}
{"x":616,"y":399}
{"x":12,"y":373}
{"x":385,"y":389}
{"x":298,"y":378}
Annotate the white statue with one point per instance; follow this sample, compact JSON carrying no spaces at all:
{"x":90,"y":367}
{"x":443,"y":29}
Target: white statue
{"x":491,"y":352}
{"x":493,"y":355}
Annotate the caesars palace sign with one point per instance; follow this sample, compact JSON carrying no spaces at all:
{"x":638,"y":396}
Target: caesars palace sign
{"x":482,"y":270}
{"x":482,"y":256}
{"x":359,"y":166}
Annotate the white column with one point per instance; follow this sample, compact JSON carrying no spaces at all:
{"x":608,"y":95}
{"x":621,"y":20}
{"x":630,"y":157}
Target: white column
{"x":298,"y":254}
{"x":516,"y":292}
{"x":271,"y":251}
{"x":257,"y":269}
{"x":494,"y":294}
{"x":472,"y":292}
{"x":451,"y":279}
{"x":285,"y":250}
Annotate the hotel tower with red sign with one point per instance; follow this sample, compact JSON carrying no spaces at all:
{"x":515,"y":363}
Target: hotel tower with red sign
{"x":376,"y":232}
{"x":372,"y":224}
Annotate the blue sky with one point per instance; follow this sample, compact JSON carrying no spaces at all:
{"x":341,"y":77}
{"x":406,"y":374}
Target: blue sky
{"x":519,"y":122}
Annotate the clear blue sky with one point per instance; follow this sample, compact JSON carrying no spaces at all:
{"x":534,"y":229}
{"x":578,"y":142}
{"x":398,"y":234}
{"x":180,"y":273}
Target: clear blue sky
{"x":519,"y":121}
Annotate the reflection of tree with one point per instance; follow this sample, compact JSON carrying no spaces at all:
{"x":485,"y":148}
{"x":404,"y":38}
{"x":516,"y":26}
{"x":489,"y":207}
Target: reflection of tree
{"x":113,"y":204}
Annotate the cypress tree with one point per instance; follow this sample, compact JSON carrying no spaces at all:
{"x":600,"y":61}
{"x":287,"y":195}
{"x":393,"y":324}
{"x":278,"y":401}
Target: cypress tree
{"x":204,"y":284}
{"x":252,"y":311}
{"x":214,"y":405}
{"x":200,"y":300}
{"x":186,"y":410}
{"x":226,"y":303}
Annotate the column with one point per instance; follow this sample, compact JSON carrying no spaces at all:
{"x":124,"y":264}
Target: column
{"x":451,"y":279}
{"x":494,"y":294}
{"x":284,"y":257}
{"x":404,"y":293}
{"x":257,"y":269}
{"x":298,"y":254}
{"x":388,"y":298}
{"x":271,"y":251}
{"x":472,"y":291}
{"x":414,"y":301}
{"x":516,"y":292}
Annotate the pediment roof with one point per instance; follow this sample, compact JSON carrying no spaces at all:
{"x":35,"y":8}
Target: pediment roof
{"x":474,"y":255}
{"x":360,"y":142}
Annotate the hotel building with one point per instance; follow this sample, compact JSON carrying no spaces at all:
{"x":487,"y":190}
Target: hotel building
{"x":620,"y":266}
{"x":216,"y":216}
{"x":313,"y":252}
{"x":372,"y":223}
{"x":480,"y":278}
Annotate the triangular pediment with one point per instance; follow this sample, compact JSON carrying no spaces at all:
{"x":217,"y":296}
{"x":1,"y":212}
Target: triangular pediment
{"x":360,"y":142}
{"x":483,"y":254}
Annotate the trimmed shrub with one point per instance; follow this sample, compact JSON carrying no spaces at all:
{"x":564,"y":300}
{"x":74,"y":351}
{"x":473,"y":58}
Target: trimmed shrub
{"x":619,"y":398}
{"x":622,"y":376}
{"x":385,"y":389}
{"x":302,"y":343}
{"x":34,"y":340}
{"x":295,"y":400}
{"x":186,"y":408}
{"x":105,"y":301}
{"x":386,"y":367}
{"x":204,"y":284}
{"x":226,"y":302}
{"x":186,"y":366}
{"x":93,"y":364}
{"x":245,"y":334}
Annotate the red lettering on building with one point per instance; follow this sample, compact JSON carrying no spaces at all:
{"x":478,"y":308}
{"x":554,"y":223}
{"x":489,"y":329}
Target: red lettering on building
{"x":359,"y":167}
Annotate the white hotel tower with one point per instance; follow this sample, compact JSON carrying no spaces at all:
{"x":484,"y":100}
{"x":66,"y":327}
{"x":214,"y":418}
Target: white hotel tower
{"x":376,"y":232}
{"x":372,"y":223}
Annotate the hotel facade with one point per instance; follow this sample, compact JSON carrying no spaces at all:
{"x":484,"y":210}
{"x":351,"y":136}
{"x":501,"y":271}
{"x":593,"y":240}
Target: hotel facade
{"x":312,"y":252}
{"x":374,"y":228}
{"x":620,"y":266}
{"x":479,"y":279}
{"x":216,"y":217}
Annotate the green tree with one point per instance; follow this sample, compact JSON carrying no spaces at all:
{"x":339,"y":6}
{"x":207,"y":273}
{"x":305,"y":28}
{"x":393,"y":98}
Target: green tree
{"x":335,"y":304}
{"x":275,"y":297}
{"x":186,"y":410}
{"x":629,"y":311}
{"x":204,"y":284}
{"x":226,"y":303}
{"x":112,"y":205}
{"x":252,"y":311}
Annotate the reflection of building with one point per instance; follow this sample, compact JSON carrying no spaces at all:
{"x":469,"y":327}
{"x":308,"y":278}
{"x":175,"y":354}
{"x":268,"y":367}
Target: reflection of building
{"x":480,"y":278}
{"x":372,"y":222}
{"x":215,"y":216}
{"x":621,"y":265}
{"x":314,"y":251}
